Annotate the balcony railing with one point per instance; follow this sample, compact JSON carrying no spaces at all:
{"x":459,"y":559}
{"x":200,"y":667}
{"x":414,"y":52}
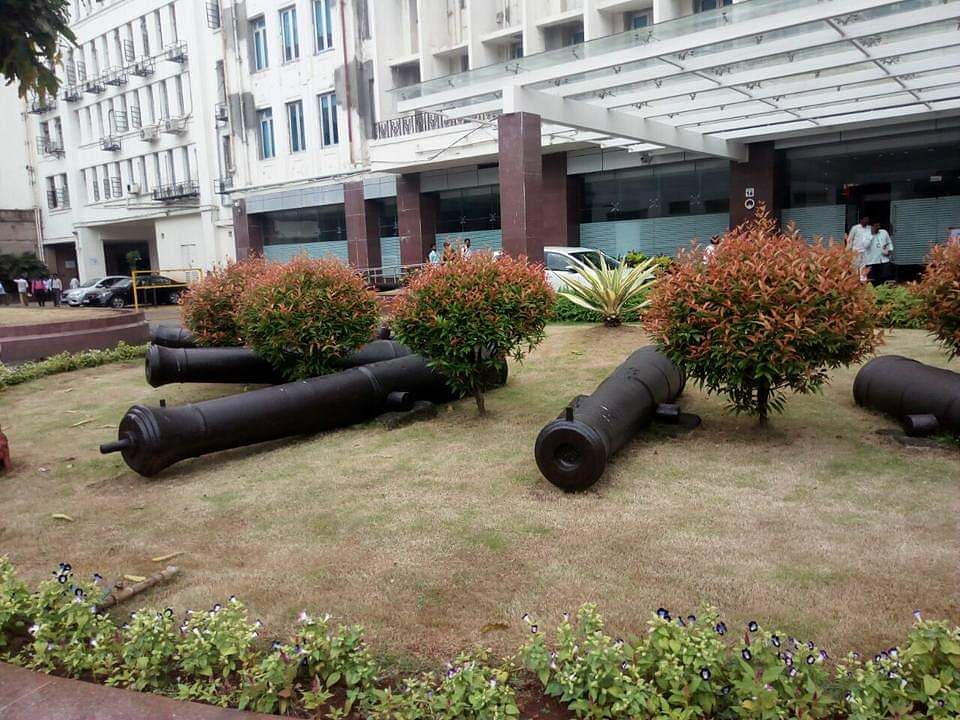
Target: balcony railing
{"x":222,"y":186}
{"x":176,"y":191}
{"x":176,"y":52}
{"x":50,"y":147}
{"x":421,"y":122}
{"x":110,"y":143}
{"x":39,"y":106}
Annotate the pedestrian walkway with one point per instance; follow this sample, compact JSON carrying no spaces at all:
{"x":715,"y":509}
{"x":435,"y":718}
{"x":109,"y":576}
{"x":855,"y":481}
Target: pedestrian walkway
{"x":26,"y":695}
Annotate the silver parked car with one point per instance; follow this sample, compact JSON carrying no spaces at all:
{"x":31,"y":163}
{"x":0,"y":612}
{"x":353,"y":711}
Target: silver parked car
{"x":559,"y":265}
{"x":74,"y":297}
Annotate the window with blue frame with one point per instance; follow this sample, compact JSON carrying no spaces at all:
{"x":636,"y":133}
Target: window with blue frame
{"x":295,"y":129}
{"x":258,"y":31}
{"x":289,"y":37}
{"x":265,"y":132}
{"x":329,"y":135}
{"x":322,"y":24}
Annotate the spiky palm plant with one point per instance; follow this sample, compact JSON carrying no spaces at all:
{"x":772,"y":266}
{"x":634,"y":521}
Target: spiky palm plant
{"x":614,"y":292}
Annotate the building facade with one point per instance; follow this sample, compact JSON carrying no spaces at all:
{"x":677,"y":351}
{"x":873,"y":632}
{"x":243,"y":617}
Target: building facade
{"x":194,"y":132}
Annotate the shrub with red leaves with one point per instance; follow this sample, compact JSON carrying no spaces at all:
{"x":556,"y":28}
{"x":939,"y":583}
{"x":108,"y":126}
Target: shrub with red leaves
{"x":304,"y":315}
{"x":209,"y":308}
{"x":466,"y":316}
{"x":766,"y":314}
{"x":939,"y":293}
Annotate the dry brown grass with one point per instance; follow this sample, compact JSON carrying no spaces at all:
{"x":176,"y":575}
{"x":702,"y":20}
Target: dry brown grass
{"x":18,"y":315}
{"x":426,"y":533}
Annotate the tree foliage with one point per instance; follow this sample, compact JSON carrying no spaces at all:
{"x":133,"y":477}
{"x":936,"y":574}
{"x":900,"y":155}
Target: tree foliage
{"x":304,"y":315}
{"x":210,"y":307}
{"x":30,"y":33}
{"x":25,"y":264}
{"x":939,"y":293}
{"x":768,"y":313}
{"x":466,"y":316}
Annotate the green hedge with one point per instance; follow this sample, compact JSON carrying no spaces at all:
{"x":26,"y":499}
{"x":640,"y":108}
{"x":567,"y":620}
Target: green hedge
{"x":684,"y":668}
{"x":899,"y":306}
{"x":569,"y":312}
{"x":65,"y":362}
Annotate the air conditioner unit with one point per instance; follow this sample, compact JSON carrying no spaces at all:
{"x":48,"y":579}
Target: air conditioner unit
{"x":175,"y":125}
{"x":149,"y":133}
{"x":133,"y":188}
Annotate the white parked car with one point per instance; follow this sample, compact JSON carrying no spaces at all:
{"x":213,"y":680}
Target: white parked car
{"x":75,"y":297}
{"x":559,"y":265}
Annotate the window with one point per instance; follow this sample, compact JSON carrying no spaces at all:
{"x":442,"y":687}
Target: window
{"x":289,"y":38}
{"x":178,"y":86}
{"x":322,"y":25}
{"x":705,"y":5}
{"x":144,"y":36}
{"x":159,"y":27}
{"x":637,"y":20}
{"x":265,"y":131}
{"x":258,"y":31}
{"x":328,"y":119}
{"x":164,"y":100}
{"x":64,"y":192}
{"x":96,"y":184}
{"x":51,"y":194}
{"x":298,"y":141}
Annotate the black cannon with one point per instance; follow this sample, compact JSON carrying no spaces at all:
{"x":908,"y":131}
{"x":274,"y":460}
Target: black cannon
{"x":171,"y":336}
{"x":923,"y":398}
{"x":152,"y":438}
{"x":572,"y":451}
{"x":165,"y":365}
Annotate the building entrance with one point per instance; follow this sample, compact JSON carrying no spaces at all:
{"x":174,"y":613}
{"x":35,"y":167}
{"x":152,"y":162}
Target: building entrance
{"x":872,"y":199}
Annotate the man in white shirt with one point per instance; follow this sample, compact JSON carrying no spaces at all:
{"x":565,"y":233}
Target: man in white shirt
{"x":881,"y":250}
{"x":859,"y":240}
{"x":22,"y":289}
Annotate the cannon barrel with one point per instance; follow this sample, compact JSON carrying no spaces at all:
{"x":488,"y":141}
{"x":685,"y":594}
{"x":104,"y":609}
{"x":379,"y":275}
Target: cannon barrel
{"x":171,"y":336}
{"x":909,"y":390}
{"x":165,"y":365}
{"x":153,"y":438}
{"x":572,"y":451}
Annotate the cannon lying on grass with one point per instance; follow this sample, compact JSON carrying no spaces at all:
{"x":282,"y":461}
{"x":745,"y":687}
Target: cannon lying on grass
{"x":153,"y":438}
{"x":171,"y":336}
{"x":165,"y":365}
{"x":572,"y":451}
{"x":924,"y":399}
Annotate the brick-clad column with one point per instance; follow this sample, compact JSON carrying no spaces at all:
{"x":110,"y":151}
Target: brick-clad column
{"x":416,"y":220}
{"x":363,"y":227}
{"x":247,"y":238}
{"x":754,"y":182}
{"x":521,"y":184}
{"x":561,"y":202}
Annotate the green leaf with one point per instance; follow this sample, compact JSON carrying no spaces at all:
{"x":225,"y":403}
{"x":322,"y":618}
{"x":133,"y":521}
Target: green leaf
{"x":931,"y":685}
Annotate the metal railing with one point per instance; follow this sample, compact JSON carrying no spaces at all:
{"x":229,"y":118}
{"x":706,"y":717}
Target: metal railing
{"x":422,"y":122}
{"x":48,"y":147}
{"x":176,"y":191}
{"x":182,"y":280}
{"x":388,"y":276}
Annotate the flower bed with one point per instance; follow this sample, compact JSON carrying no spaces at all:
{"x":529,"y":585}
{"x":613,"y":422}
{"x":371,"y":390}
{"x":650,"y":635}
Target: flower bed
{"x":684,"y":667}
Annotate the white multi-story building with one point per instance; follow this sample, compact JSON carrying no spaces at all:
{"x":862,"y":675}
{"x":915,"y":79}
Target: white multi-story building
{"x":369,"y":129}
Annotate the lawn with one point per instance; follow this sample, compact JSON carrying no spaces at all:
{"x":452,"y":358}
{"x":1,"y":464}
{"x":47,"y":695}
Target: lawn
{"x":427,"y":533}
{"x":33,"y":315}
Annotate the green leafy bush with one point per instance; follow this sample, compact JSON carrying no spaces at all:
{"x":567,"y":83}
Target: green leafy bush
{"x":939,"y":293}
{"x":661,"y":263}
{"x":209,"y":308}
{"x":687,"y":668}
{"x":304,"y":315}
{"x":769,"y":313}
{"x":65,"y":362}
{"x":467,"y":316}
{"x":898,"y":306}
{"x":615,"y":293}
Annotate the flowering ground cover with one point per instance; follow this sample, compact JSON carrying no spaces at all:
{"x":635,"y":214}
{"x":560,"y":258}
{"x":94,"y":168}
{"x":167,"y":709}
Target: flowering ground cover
{"x":430,"y":534}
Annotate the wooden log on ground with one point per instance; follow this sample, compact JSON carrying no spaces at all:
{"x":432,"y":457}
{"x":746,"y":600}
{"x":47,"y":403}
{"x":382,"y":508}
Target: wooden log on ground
{"x":122,"y":592}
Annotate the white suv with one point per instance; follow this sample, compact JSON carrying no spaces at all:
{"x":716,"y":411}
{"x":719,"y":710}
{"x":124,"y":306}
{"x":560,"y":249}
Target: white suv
{"x":559,"y":266}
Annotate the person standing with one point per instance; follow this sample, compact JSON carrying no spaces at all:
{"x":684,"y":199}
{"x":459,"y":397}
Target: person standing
{"x":434,"y":257}
{"x":3,"y":294}
{"x":448,"y":252}
{"x":74,"y":283}
{"x":711,"y":248}
{"x":23,"y":289}
{"x":56,"y":289}
{"x":465,"y":251}
{"x":39,"y":289}
{"x":859,"y":239}
{"x":881,"y":271}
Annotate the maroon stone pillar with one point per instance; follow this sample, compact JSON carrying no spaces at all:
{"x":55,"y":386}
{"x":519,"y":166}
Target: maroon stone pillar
{"x":521,"y":185}
{"x":363,"y":227}
{"x":416,"y":220}
{"x":561,"y":202}
{"x":753,"y":183}
{"x":247,"y":238}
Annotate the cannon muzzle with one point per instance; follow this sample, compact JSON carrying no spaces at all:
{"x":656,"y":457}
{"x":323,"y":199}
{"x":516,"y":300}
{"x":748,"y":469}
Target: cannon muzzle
{"x":573,"y":450}
{"x":170,"y":336}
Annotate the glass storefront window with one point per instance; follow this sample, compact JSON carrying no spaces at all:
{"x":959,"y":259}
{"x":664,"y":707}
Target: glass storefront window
{"x":476,"y":208}
{"x":303,"y":225}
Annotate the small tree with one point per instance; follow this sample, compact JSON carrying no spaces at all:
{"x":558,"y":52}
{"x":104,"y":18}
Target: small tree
{"x":133,"y":259}
{"x":304,"y":315}
{"x":30,"y":32}
{"x":210,"y":307}
{"x":467,"y":316}
{"x":939,"y":294}
{"x":766,"y":314}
